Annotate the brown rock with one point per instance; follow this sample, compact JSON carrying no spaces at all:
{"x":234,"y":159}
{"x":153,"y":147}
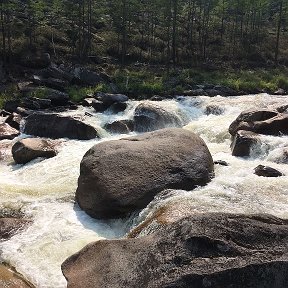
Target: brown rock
{"x":150,"y":117}
{"x":56,"y":126}
{"x":28,"y":149}
{"x":246,"y":120}
{"x":266,"y":171}
{"x":242,"y":143}
{"x":119,"y":177}
{"x":204,"y":250}
{"x":9,"y":278}
{"x":7,"y":132}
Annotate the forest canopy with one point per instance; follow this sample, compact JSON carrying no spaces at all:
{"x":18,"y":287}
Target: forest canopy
{"x":168,"y":32}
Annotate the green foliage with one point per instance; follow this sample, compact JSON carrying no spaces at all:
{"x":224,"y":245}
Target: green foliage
{"x":138,"y":83}
{"x":10,"y":93}
{"x":77,"y":94}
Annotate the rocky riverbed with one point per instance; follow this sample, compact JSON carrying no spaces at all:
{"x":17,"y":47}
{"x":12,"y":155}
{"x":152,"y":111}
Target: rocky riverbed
{"x":156,"y":184}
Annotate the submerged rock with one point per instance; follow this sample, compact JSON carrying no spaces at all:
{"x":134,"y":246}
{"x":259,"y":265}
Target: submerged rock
{"x":267,"y":171}
{"x":8,"y":132}
{"x":11,"y":226}
{"x":29,"y":149}
{"x":119,"y":177}
{"x":150,"y":117}
{"x":56,"y":126}
{"x":204,"y":250}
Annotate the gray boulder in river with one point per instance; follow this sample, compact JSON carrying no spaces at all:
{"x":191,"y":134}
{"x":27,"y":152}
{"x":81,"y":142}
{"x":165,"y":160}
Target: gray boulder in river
{"x":200,"y":251}
{"x":28,"y":149}
{"x":150,"y":117}
{"x":57,"y":126}
{"x":119,"y":177}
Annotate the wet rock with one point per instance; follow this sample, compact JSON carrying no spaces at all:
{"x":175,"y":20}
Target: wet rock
{"x":110,"y":99}
{"x":9,"y":278}
{"x":150,"y":117}
{"x":221,"y":162}
{"x":225,"y":91}
{"x":24,"y":112}
{"x":267,"y":171}
{"x":7,"y":132}
{"x":11,"y":226}
{"x":29,"y":149}
{"x":117,"y":127}
{"x":247,"y":120}
{"x":204,"y":250}
{"x":195,"y":92}
{"x":243,"y":142}
{"x":282,"y":109}
{"x":4,"y":113}
{"x":277,"y":126}
{"x":98,"y":105}
{"x":280,"y":91}
{"x":283,"y":158}
{"x":14,"y":120}
{"x":118,"y":107}
{"x":36,"y":61}
{"x":146,"y":165}
{"x":157,"y":98}
{"x":214,"y":110}
{"x":56,"y":126}
{"x":87,"y":102}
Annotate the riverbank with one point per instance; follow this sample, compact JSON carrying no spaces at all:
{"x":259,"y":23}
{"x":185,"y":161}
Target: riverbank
{"x":142,"y":82}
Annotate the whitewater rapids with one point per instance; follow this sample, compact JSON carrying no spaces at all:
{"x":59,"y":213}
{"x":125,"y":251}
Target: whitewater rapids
{"x":44,"y":189}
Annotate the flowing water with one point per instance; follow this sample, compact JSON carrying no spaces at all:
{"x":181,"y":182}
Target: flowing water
{"x":44,"y":189}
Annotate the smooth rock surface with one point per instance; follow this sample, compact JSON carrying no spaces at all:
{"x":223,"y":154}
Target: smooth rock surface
{"x":119,"y":177}
{"x":8,"y":132}
{"x":202,"y":250}
{"x":56,"y":126}
{"x":266,"y":171}
{"x":11,"y":279}
{"x":149,"y":117}
{"x":248,"y":120}
{"x":29,"y":149}
{"x":242,"y":143}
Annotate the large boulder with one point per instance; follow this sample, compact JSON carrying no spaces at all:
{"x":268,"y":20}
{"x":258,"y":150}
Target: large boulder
{"x":8,"y":132}
{"x":204,"y":250}
{"x":119,"y":177}
{"x":247,"y":120}
{"x":242,"y":143}
{"x":29,"y":149}
{"x":57,"y":126}
{"x":150,"y":117}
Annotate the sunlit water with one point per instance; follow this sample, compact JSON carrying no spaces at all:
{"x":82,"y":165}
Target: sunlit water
{"x":44,"y":189}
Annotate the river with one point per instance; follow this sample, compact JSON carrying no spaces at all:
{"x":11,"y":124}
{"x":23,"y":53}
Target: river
{"x":44,"y":190}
